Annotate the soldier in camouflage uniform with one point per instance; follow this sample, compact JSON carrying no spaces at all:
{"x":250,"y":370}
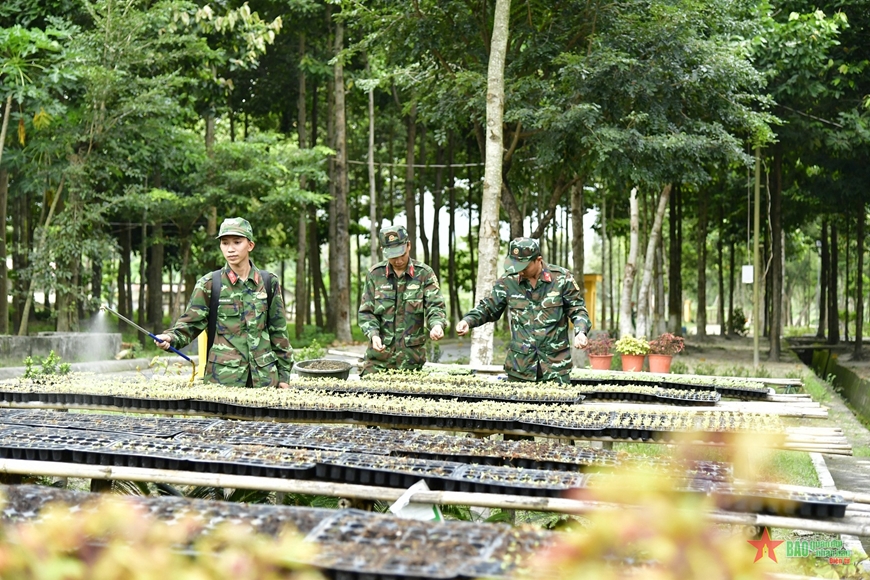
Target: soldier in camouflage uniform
{"x":251,"y":348}
{"x":541,"y":298}
{"x":401,"y":297}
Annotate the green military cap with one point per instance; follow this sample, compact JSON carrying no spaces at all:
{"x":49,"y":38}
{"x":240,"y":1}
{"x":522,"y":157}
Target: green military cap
{"x":393,"y":240}
{"x":521,"y":252}
{"x":236,"y":227}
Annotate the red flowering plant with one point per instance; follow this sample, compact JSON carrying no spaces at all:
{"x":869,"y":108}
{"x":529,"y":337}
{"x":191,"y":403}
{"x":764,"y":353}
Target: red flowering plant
{"x":599,"y":344}
{"x":667,"y":343}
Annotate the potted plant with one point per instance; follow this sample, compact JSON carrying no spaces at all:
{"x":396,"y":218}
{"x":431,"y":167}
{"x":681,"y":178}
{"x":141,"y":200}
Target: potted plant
{"x":662,"y":349}
{"x":599,"y":348}
{"x":633,"y":351}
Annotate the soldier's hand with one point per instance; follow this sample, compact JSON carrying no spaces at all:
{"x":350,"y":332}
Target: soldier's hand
{"x":437,"y":333}
{"x":283,"y":386}
{"x":462,"y":328}
{"x":377,"y":344}
{"x":580,"y":341}
{"x":163,"y":341}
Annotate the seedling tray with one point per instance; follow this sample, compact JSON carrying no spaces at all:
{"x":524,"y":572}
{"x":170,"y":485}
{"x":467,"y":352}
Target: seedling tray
{"x":146,"y":404}
{"x":508,"y":480}
{"x":801,"y":505}
{"x":383,"y":471}
{"x":148,"y":426}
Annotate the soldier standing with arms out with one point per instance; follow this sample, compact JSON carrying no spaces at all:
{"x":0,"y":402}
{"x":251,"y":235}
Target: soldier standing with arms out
{"x":251,"y":348}
{"x":401,"y":297}
{"x":541,"y":298}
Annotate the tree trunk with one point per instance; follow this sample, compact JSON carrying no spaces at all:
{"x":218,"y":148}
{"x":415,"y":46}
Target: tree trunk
{"x":373,"y":192}
{"x":660,"y":313}
{"x":421,"y":202}
{"x":314,"y":267}
{"x":332,"y":247}
{"x":858,"y":352}
{"x":25,"y":311}
{"x":123,"y":273}
{"x":180,"y":298}
{"x":515,"y":215}
{"x":339,"y":285}
{"x":720,"y":266}
{"x":143,"y":259}
{"x":452,"y":282}
{"x":410,"y":190}
{"x":731,"y":273}
{"x":626,"y":326}
{"x":823,"y":281}
{"x":211,"y":213}
{"x":301,"y":288}
{"x":605,"y":256}
{"x":577,"y":212}
{"x":155,"y":282}
{"x":4,"y":276}
{"x":643,"y":301}
{"x":437,"y":201}
{"x":96,"y":283}
{"x":776,"y":249}
{"x":701,"y":319}
{"x":675,"y":281}
{"x":833,"y":306}
{"x":488,"y":238}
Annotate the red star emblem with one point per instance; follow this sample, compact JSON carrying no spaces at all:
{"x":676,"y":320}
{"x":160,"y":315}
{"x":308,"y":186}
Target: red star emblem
{"x":765,"y":541}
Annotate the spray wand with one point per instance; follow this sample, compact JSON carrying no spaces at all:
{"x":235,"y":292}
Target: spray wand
{"x":140,"y":329}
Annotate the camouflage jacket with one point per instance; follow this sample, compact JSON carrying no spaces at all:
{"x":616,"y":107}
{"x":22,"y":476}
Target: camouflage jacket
{"x":399,"y":310}
{"x":247,"y":339}
{"x":538,"y":320}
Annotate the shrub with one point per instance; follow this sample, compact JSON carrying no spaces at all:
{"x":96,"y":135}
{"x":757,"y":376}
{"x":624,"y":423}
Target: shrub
{"x":631,"y":345}
{"x":49,"y":365}
{"x":737,"y":324}
{"x":667,"y":343}
{"x":117,"y":541}
{"x":599,"y":343}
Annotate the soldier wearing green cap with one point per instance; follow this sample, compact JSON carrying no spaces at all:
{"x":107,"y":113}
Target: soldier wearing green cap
{"x":251,"y":348}
{"x":541,"y":298}
{"x":401,"y":298}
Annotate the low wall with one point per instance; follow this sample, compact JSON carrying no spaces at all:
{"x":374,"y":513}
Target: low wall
{"x":855,"y":390}
{"x":69,"y":346}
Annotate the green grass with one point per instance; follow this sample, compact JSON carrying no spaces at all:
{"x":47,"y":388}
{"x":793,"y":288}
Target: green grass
{"x":791,"y":467}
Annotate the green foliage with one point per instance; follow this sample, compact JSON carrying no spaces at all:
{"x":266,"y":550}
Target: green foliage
{"x":48,"y":366}
{"x":313,"y":351}
{"x":678,"y":367}
{"x":631,"y":345}
{"x":737,"y":324}
{"x":115,"y":541}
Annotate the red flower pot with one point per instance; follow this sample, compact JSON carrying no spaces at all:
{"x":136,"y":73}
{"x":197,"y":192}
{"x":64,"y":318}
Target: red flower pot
{"x":660,"y":363}
{"x":632,"y":362}
{"x":600,"y":362}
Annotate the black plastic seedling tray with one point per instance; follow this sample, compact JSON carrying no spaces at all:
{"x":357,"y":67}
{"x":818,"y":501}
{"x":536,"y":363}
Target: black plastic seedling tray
{"x":801,"y":505}
{"x":358,"y":468}
{"x":507,"y":480}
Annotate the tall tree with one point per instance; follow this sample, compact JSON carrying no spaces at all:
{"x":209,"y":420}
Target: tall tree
{"x":626,"y":325}
{"x":488,"y":239}
{"x":339,"y":271}
{"x":643,"y":302}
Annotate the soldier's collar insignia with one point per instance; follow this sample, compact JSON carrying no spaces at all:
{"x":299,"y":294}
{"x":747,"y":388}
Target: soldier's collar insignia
{"x":546,"y":277}
{"x":232,"y":276}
